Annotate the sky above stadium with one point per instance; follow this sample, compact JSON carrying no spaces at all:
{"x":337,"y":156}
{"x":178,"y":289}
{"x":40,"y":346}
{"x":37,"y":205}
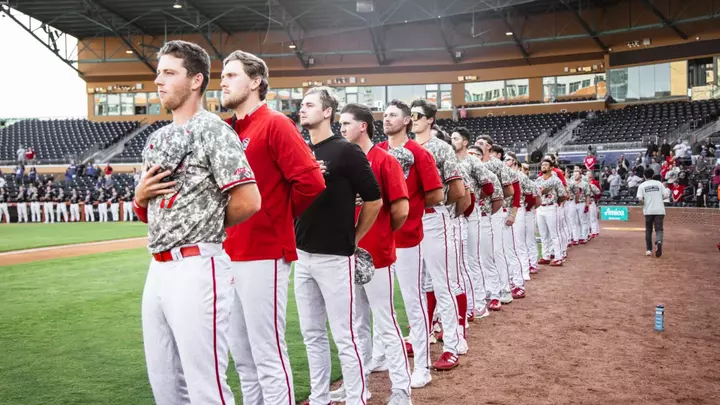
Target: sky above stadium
{"x":35,"y":83}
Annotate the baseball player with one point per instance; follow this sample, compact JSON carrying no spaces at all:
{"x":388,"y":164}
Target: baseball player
{"x":652,"y":193}
{"x":487,"y":207}
{"x":60,"y":200}
{"x":376,"y":296}
{"x":263,"y":247}
{"x":502,"y":220}
{"x":425,"y":189}
{"x":47,"y":200}
{"x":532,"y":202}
{"x":35,"y":215}
{"x":593,"y":214}
{"x":89,"y":211}
{"x":327,"y":236}
{"x":439,"y":257}
{"x":482,"y":188}
{"x":114,"y":202}
{"x":127,"y":198}
{"x":579,"y":198}
{"x":4,"y":198}
{"x":519,"y":226}
{"x":196,"y":183}
{"x":552,"y":192}
{"x":102,"y":206}
{"x":21,"y":200}
{"x":562,"y":217}
{"x":74,"y":206}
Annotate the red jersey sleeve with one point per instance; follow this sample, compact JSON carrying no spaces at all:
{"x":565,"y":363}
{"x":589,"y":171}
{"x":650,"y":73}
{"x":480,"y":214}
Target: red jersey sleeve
{"x":425,"y":165}
{"x":394,"y":186}
{"x":297,"y":164}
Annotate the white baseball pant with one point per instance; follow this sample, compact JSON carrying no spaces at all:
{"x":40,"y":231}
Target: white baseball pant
{"x":324,"y":291}
{"x":74,"y":212}
{"x":409,"y":271}
{"x":115,"y":210}
{"x":514,"y":267}
{"x":580,"y":221}
{"x":565,"y":229}
{"x":489,"y":244}
{"x":439,"y":261}
{"x":185,"y":317}
{"x":89,"y":213}
{"x":501,"y":259}
{"x":4,"y":211}
{"x":128,"y":214}
{"x":22,"y":212}
{"x":376,"y":297}
{"x":257,"y":331}
{"x":594,"y":228}
{"x":476,"y":279}
{"x":102,"y":212}
{"x":518,"y":233}
{"x":49,"y":212}
{"x":530,"y":238}
{"x":35,"y":211}
{"x":549,"y":227}
{"x":62,"y":212}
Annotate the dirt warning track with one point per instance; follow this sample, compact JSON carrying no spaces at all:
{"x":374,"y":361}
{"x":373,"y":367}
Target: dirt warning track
{"x":80,"y":249}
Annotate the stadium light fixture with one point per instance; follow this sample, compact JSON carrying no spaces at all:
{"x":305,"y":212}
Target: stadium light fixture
{"x":177,"y":4}
{"x":292,"y":46}
{"x":129,"y":52}
{"x":509,"y":33}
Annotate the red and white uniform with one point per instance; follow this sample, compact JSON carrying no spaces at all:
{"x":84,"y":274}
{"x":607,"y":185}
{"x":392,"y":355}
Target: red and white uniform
{"x":262,"y":249}
{"x":563,"y":219}
{"x":421,"y":177}
{"x":377,"y":295}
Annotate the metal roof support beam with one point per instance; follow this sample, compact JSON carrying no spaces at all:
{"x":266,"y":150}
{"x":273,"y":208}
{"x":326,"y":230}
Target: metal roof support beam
{"x":289,"y":24}
{"x":379,"y":44}
{"x":6,"y":11}
{"x":138,"y":54}
{"x":128,"y":23}
{"x":205,"y":16}
{"x":663,"y":19}
{"x":447,"y":42}
{"x":585,"y":26}
{"x":515,"y":38}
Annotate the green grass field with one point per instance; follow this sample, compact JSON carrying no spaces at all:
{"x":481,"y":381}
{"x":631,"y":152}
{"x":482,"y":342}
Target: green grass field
{"x":28,"y":236}
{"x":71,"y":332}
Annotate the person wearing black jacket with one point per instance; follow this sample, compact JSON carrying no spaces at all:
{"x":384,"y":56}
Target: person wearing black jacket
{"x":21,"y":201}
{"x":102,"y":206}
{"x":4,"y":198}
{"x":327,"y":238}
{"x":61,"y":201}
{"x":127,"y":198}
{"x":74,"y":206}
{"x":665,"y":149}
{"x":115,"y":205}
{"x":89,"y":209}
{"x":34,"y":203}
{"x":48,"y":206}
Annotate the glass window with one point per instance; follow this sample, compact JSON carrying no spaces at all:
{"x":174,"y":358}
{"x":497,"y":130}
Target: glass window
{"x":127,"y":101}
{"x":341,"y":96}
{"x":113,"y":104}
{"x":373,"y":97}
{"x":213,"y":100}
{"x":406,"y":93}
{"x":483,"y":91}
{"x":600,"y":85}
{"x":549,"y":88}
{"x":153,"y":104}
{"x":516,"y":89}
{"x":140,"y":103}
{"x":101,"y":106}
{"x":649,"y":81}
{"x":574,"y":86}
{"x":433,"y":87}
{"x":447,"y":87}
{"x":446,"y":100}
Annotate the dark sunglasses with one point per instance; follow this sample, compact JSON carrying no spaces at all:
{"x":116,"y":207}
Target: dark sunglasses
{"x":417,"y":115}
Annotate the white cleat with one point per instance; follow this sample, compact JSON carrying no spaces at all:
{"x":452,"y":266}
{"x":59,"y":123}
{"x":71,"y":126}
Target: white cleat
{"x":483,"y":313}
{"x":432,"y":339}
{"x":377,"y":365}
{"x":462,"y":346}
{"x":399,"y":398}
{"x":505,"y":297}
{"x":339,"y":395}
{"x":648,"y":253}
{"x":420,"y":378}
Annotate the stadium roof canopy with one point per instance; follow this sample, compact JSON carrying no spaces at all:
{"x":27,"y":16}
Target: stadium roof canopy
{"x":88,"y":18}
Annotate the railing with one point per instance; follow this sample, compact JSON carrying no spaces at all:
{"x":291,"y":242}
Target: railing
{"x":603,"y":147}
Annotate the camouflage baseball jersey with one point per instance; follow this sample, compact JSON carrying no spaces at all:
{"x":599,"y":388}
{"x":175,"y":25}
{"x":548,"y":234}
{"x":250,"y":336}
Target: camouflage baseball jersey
{"x":550,"y":189}
{"x":208,"y":160}
{"x":506,"y":175}
{"x":594,"y":190}
{"x":477,"y":174}
{"x":485,"y":204}
{"x":579,"y":190}
{"x":446,"y":162}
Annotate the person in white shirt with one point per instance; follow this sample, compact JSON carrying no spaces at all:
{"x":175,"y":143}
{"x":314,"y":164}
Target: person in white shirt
{"x":615,"y":180}
{"x":652,"y":193}
{"x":634,"y":181}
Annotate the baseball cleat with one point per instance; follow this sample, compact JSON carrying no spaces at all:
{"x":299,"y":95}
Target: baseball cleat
{"x":495,"y":305}
{"x":448,"y":361}
{"x":399,"y":397}
{"x":582,"y":241}
{"x":420,"y":378}
{"x":432,"y":339}
{"x":551,"y":257}
{"x":505,"y":297}
{"x":648,"y":253}
{"x":556,"y":263}
{"x":437,"y":327}
{"x":338,"y":395}
{"x":470,"y":317}
{"x":658,"y":249}
{"x":533,"y":270}
{"x":518,"y":292}
{"x":409,"y":349}
{"x":462,"y":346}
{"x":377,"y":365}
{"x":483,"y":313}
{"x":439,"y":336}
{"x":542,"y":261}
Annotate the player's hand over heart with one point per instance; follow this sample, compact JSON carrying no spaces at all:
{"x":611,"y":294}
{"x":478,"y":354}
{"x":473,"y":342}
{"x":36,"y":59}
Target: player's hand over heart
{"x":510,"y":220}
{"x":587,"y":208}
{"x":323,"y":167}
{"x":358,"y":200}
{"x":151,"y":185}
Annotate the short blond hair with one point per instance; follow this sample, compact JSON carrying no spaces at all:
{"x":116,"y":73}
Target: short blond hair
{"x":253,"y":67}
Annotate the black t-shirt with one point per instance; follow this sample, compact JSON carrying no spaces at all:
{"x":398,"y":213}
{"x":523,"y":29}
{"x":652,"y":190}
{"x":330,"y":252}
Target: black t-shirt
{"x":328,"y":225}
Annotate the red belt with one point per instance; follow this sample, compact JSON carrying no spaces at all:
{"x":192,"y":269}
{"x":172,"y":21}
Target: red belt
{"x":547,"y":205}
{"x":187,"y":251}
{"x":430,"y":210}
{"x":484,"y":214}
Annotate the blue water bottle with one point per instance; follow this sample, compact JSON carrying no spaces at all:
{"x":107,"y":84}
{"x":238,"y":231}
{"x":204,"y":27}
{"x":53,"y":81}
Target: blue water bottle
{"x":659,"y":318}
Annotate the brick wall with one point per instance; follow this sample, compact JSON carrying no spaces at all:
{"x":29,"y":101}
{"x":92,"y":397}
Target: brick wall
{"x":676,"y":215}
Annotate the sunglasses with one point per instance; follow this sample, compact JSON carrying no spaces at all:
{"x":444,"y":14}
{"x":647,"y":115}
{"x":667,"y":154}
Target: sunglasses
{"x":417,"y":115}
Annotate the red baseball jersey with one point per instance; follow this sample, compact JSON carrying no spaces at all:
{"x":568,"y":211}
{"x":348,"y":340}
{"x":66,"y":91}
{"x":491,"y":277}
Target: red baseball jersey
{"x":422,"y":177}
{"x":289,"y":180}
{"x":561,"y":175}
{"x":379,"y":241}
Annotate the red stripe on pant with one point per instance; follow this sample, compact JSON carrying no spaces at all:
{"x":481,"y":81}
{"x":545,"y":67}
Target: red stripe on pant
{"x":447,"y":274}
{"x":217,"y":367}
{"x":277,"y":334}
{"x":397,"y":328}
{"x":352,"y":331}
